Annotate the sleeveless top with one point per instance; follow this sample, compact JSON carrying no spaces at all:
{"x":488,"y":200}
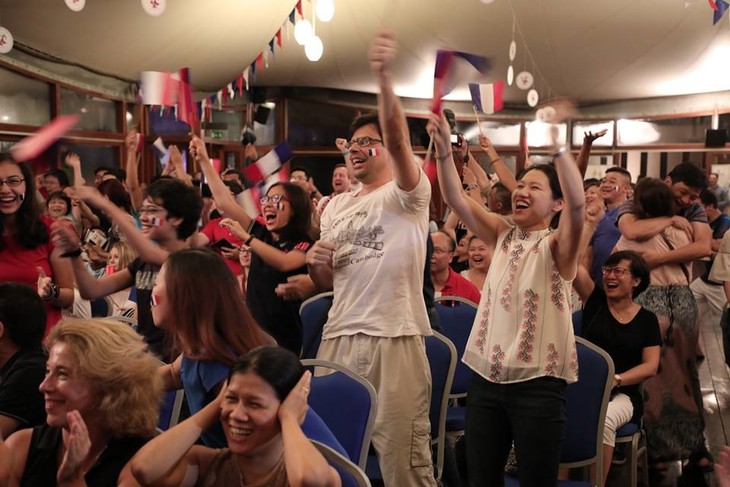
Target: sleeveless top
{"x":41,"y":465}
{"x":523,"y":328}
{"x":222,"y":470}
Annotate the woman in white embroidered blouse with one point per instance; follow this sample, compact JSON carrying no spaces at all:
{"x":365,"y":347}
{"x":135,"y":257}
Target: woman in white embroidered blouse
{"x":521,"y":346}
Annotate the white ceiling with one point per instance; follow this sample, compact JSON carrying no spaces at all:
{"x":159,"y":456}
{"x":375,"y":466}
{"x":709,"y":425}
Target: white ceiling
{"x":587,"y":49}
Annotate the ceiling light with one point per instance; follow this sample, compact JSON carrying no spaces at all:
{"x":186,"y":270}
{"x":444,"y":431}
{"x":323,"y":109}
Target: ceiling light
{"x":303,"y":31}
{"x":314,"y":48}
{"x":325,"y":10}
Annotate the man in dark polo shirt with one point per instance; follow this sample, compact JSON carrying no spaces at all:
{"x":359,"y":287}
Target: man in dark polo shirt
{"x":22,"y":359}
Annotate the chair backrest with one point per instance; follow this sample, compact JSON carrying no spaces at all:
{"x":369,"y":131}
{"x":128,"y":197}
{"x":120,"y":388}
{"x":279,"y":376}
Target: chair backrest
{"x":456,"y":323}
{"x":170,"y":409}
{"x":585,"y":405}
{"x":347,"y":403}
{"x":577,"y":319}
{"x":124,"y":319}
{"x":313,"y":313}
{"x":441,"y":355}
{"x":99,"y":308}
{"x":351,"y":474}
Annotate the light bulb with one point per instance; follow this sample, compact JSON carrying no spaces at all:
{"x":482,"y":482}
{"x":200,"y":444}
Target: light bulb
{"x":314,"y":48}
{"x":325,"y":10}
{"x":303,"y":31}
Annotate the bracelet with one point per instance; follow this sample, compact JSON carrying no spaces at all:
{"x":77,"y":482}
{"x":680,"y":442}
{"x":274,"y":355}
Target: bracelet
{"x":495,"y":160}
{"x":445,"y":156}
{"x":618,"y":380}
{"x":560,"y":151}
{"x":55,"y":292}
{"x":470,"y":187}
{"x":72,"y":253}
{"x":248,"y":241}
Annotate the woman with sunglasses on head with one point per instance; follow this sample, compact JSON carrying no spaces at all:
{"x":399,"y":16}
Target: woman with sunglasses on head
{"x":278,"y":240}
{"x":27,"y":255}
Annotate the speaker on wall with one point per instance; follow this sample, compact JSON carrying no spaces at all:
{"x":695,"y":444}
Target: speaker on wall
{"x":262,"y":114}
{"x":715,"y":138}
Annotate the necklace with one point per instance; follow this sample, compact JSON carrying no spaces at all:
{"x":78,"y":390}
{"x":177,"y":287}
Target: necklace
{"x":620,"y":317}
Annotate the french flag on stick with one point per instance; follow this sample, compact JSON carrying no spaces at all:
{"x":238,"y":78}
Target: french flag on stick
{"x":268,"y":164}
{"x":159,"y":147}
{"x":34,"y":145}
{"x":452,"y":68}
{"x":158,"y":88}
{"x":487,"y":98}
{"x":249,"y":201}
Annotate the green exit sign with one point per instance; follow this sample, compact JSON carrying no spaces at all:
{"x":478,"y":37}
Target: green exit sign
{"x":217,"y":134}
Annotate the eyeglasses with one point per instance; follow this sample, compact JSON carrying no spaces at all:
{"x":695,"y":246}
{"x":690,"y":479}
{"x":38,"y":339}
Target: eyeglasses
{"x":361,"y":141}
{"x":618,"y":271}
{"x":438,"y":251}
{"x":273,"y":199}
{"x":12,"y":181}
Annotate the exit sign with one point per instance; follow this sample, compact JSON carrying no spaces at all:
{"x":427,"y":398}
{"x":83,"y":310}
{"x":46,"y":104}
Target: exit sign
{"x":217,"y":134}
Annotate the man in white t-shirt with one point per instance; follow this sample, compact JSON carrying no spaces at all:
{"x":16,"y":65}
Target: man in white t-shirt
{"x":372,"y":253}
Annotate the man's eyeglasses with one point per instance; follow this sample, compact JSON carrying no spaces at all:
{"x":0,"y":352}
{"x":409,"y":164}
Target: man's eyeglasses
{"x":12,"y":181}
{"x":361,"y":141}
{"x":618,"y":271}
{"x":273,"y":199}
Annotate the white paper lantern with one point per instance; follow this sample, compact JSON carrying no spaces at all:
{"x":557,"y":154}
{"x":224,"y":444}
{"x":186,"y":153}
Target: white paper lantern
{"x":510,"y":75}
{"x":512,"y":50}
{"x":314,"y":48}
{"x":76,"y":5}
{"x":6,"y":40}
{"x":525,"y":80}
{"x":533,"y":98}
{"x":303,"y":31}
{"x":325,"y":10}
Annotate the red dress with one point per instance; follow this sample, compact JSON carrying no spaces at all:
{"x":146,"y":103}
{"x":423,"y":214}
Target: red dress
{"x":18,"y":264}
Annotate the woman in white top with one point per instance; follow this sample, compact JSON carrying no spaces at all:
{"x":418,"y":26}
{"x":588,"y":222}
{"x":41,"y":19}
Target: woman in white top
{"x":521,"y":345}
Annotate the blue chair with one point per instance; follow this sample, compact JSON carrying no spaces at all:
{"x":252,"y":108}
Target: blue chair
{"x":633,"y":437}
{"x":577,"y":322}
{"x":100,"y":308}
{"x":313,"y":313}
{"x":350,"y":474}
{"x":585,"y":407}
{"x":170,"y":409}
{"x":316,"y":430}
{"x":347,"y":403}
{"x":456,"y":324}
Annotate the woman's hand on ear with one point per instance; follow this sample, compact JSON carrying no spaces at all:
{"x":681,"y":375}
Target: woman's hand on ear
{"x":295,"y":404}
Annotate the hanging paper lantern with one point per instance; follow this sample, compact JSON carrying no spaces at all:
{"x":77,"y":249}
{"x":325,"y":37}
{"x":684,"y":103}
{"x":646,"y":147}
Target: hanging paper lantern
{"x":549,"y":113}
{"x":325,"y":10}
{"x":76,"y":5}
{"x":533,"y":98}
{"x":314,"y":48}
{"x":303,"y":31}
{"x":524,"y":80}
{"x":154,"y":8}
{"x":6,"y":40}
{"x":512,"y":50}
{"x":540,"y":115}
{"x":510,"y":75}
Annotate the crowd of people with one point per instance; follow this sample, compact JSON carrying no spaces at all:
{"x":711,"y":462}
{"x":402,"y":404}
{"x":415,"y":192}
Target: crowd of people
{"x":213,"y":295}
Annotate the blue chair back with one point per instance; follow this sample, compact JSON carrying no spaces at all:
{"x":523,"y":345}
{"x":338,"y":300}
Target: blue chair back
{"x":170,"y":409}
{"x":350,"y":474}
{"x":456,"y":324}
{"x":316,"y":430}
{"x":441,"y":355}
{"x":585,"y":407}
{"x":313,"y":313}
{"x":347,"y":403}
{"x":578,"y":322}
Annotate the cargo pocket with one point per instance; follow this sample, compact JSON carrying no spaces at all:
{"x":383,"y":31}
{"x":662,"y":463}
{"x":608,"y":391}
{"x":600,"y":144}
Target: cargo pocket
{"x":421,"y":443}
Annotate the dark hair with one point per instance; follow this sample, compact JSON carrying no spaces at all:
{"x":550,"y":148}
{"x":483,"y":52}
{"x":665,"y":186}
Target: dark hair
{"x":277,"y":366}
{"x":218,"y":327}
{"x":708,"y":198}
{"x":366,"y":119}
{"x":23,"y":314}
{"x":653,"y":198}
{"x":117,"y":194}
{"x":58,"y":174}
{"x":60,"y":195}
{"x":451,"y":243}
{"x":30,"y":231}
{"x":339,"y":164}
{"x":180,"y":201}
{"x":102,"y":168}
{"x":300,"y":222}
{"x":301,"y":169}
{"x":689,"y":174}
{"x":503,"y":195}
{"x":234,"y":187}
{"x":621,"y":171}
{"x":591,"y":182}
{"x":552,"y":175}
{"x":637,"y":266}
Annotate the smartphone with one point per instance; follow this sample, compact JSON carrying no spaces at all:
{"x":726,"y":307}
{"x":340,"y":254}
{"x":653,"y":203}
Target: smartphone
{"x":456,"y":140}
{"x":223,"y":244}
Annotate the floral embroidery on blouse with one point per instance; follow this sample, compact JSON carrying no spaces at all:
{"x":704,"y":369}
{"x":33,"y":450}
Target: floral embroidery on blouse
{"x":514,"y":266}
{"x":484,"y":322}
{"x":497,"y":357}
{"x":551,"y":368}
{"x":529,"y":317}
{"x":507,"y":241}
{"x":556,"y":286}
{"x":574,"y":362}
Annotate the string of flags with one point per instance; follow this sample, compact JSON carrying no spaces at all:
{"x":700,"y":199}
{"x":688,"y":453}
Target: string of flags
{"x":719,"y":7}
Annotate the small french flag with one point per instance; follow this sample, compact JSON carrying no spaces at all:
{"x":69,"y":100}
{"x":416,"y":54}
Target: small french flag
{"x":154,"y":300}
{"x":157,"y":222}
{"x":372,"y":152}
{"x":453,"y":68}
{"x":159,"y":88}
{"x":487,"y":98}
{"x":249,"y":201}
{"x":159,"y":147}
{"x":268,"y":164}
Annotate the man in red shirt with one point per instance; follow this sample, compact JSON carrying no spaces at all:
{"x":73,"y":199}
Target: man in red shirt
{"x":446,"y":282}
